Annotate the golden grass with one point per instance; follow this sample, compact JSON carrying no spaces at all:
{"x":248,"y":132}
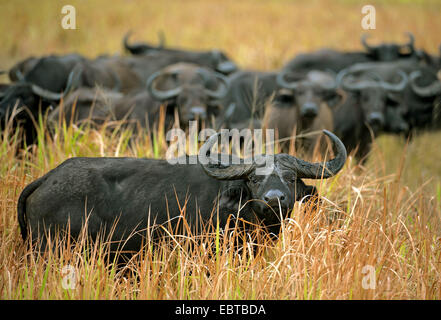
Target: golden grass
{"x":386,"y":214}
{"x":365,"y":218}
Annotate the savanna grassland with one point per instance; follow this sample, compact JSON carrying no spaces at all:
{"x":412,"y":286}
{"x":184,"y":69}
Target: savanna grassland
{"x":385,"y":213}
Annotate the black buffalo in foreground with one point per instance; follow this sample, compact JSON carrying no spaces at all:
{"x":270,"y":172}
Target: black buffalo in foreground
{"x":137,"y":194}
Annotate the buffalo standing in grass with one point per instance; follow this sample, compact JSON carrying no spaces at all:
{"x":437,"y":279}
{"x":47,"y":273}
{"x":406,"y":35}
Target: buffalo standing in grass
{"x":362,"y":115}
{"x":110,"y":72}
{"x":49,"y":72}
{"x":414,"y":107}
{"x":193,"y":91}
{"x":424,"y":100}
{"x":23,"y":102}
{"x":328,"y":59}
{"x":160,"y":57}
{"x":302,"y":106}
{"x":41,"y":87}
{"x":139,"y":193}
{"x":187,"y":90}
{"x":248,"y":95}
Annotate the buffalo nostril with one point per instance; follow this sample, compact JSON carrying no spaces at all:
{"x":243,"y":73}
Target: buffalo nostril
{"x":376,"y":118}
{"x":273,"y":197}
{"x":198,"y":112}
{"x":309,"y":110}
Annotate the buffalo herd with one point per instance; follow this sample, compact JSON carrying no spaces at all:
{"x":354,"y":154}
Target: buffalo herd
{"x":388,"y":88}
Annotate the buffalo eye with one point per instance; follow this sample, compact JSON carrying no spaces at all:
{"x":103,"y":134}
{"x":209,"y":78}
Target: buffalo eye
{"x":171,"y":105}
{"x":285,"y":98}
{"x":253,"y":179}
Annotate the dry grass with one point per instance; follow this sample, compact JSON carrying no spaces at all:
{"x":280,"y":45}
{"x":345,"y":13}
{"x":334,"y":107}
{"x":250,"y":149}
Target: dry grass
{"x":386,"y":214}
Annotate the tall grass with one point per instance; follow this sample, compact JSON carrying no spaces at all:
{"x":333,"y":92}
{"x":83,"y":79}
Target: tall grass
{"x":364,"y":218}
{"x":385,"y":213}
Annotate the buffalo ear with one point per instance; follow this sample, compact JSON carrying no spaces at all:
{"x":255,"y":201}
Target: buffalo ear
{"x":308,"y":191}
{"x":310,"y":195}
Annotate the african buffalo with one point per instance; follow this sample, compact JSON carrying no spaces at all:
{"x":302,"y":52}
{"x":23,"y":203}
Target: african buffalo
{"x":142,"y":47}
{"x":93,"y":105}
{"x":424,"y":100}
{"x":96,"y":106}
{"x":414,"y":107}
{"x":187,"y":90}
{"x":194,"y":92}
{"x":301,"y":106}
{"x":110,"y":72}
{"x":161,"y":57}
{"x":140,"y":193}
{"x":24,"y":101}
{"x":248,"y":94}
{"x":329,"y":59}
{"x":51,"y":78}
{"x":49,"y":75}
{"x":363,"y":113}
{"x":49,"y":72}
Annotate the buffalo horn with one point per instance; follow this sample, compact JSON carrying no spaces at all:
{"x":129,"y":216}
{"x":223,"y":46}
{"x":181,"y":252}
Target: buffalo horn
{"x":429,"y":91}
{"x":160,"y":94}
{"x":308,"y":170}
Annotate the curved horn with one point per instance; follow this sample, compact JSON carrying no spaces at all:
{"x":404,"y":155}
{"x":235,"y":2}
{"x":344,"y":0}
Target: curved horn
{"x":139,"y":48}
{"x":54,"y":95}
{"x":161,"y":37}
{"x":365,"y":44}
{"x":222,"y":89}
{"x":398,"y":87}
{"x":44,"y":93}
{"x":285,"y":84}
{"x":218,"y":170}
{"x":316,"y":170}
{"x":411,"y":42}
{"x":355,"y":86}
{"x":158,"y":94}
{"x":428,"y":91}
{"x":126,"y":44}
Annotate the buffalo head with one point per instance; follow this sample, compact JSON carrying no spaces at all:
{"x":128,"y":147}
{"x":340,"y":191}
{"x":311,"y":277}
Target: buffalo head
{"x":194,"y":91}
{"x":307,"y":92}
{"x":374,"y":94}
{"x":276,"y":187}
{"x":390,"y":51}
